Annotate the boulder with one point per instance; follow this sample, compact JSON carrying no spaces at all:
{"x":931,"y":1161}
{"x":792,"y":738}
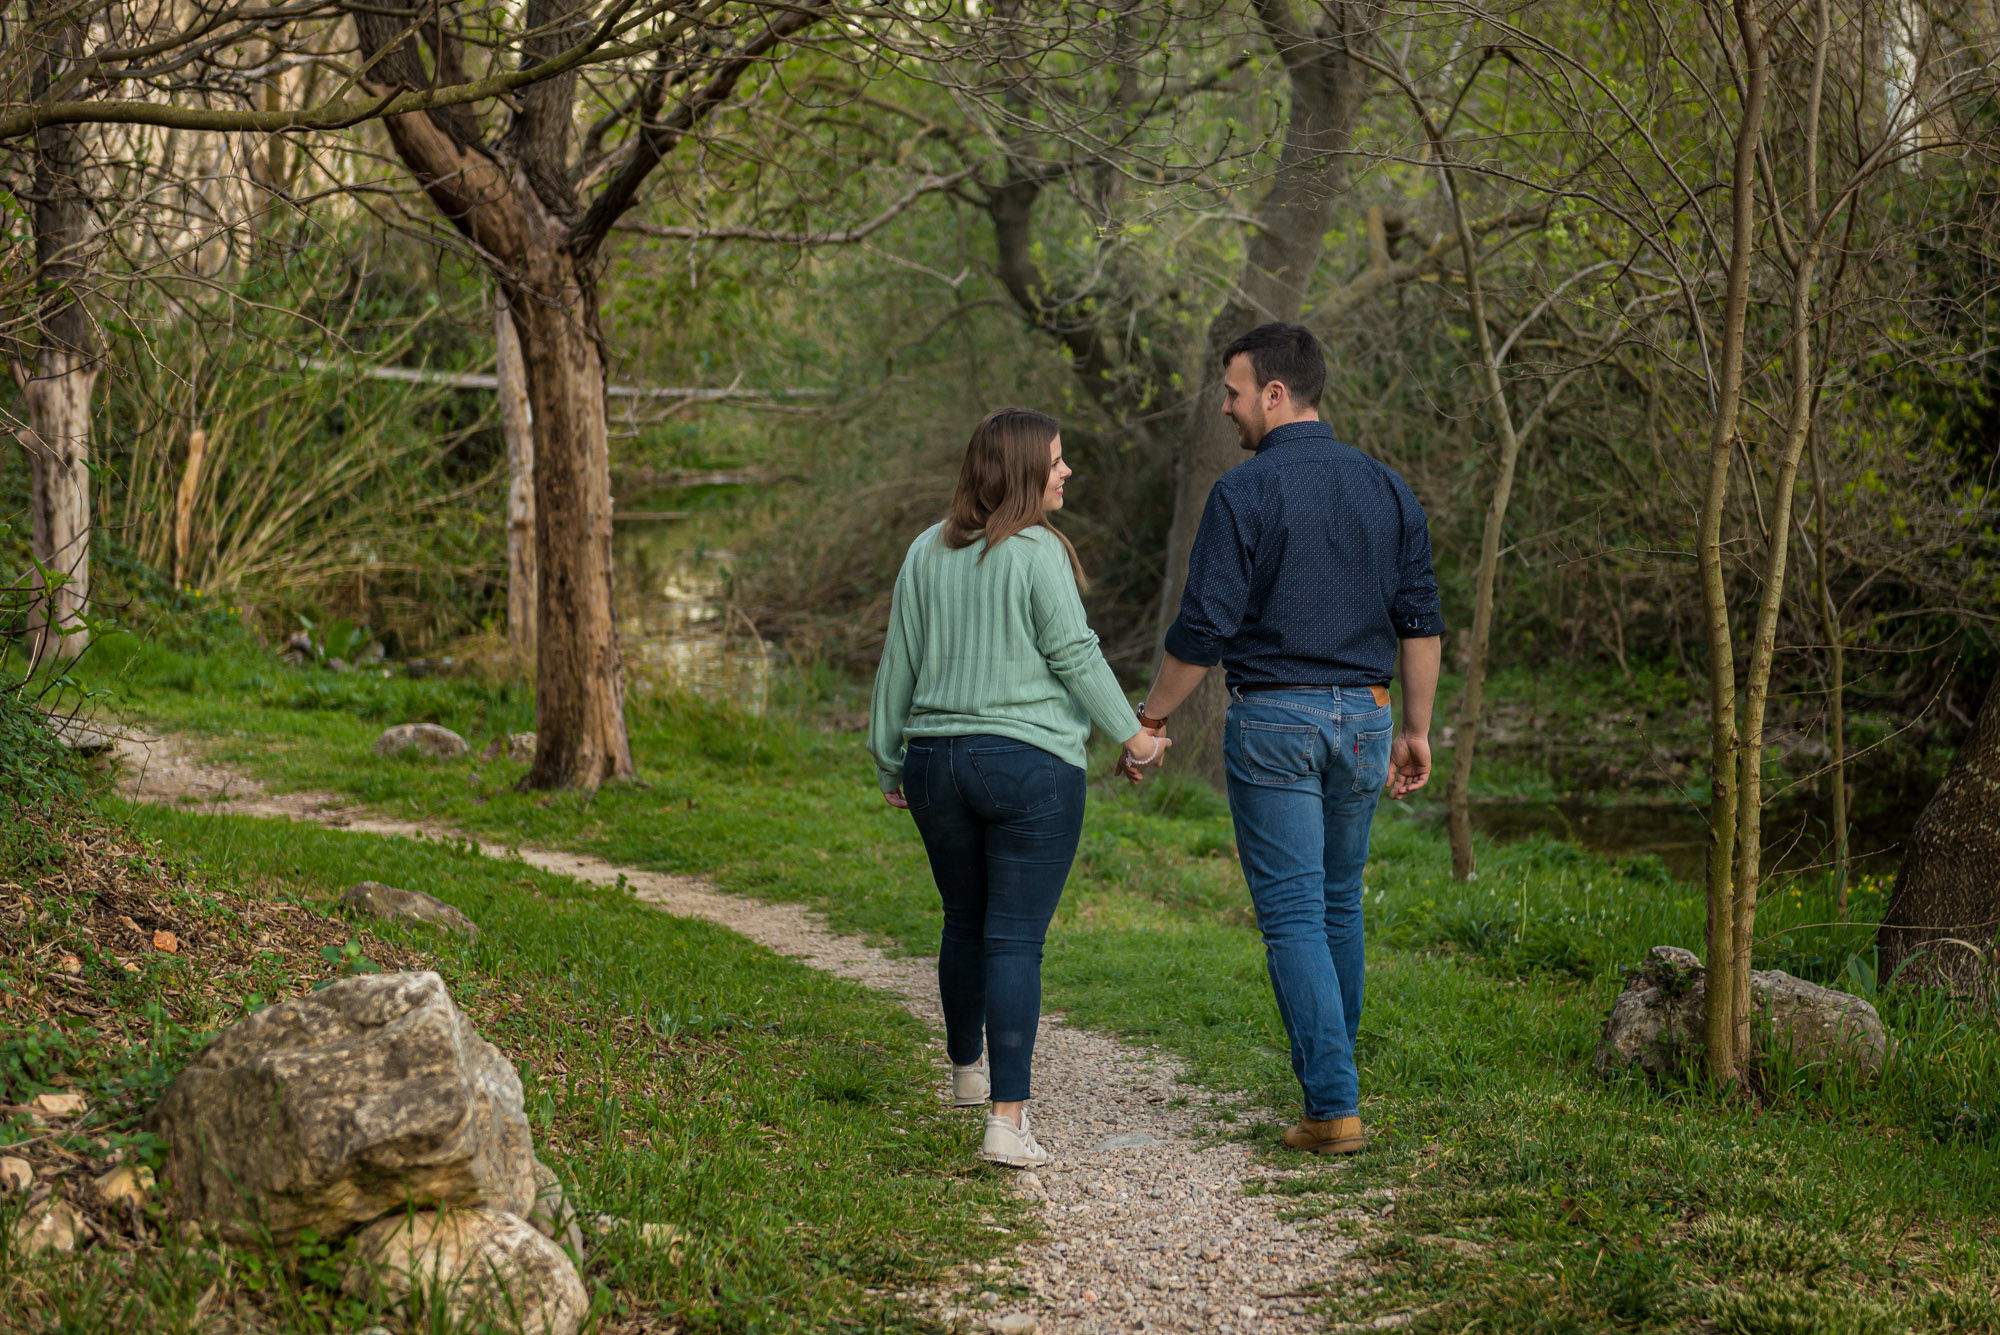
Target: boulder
{"x":553,"y":1214}
{"x":326,"y":1112}
{"x":483,"y":1266}
{"x":387,"y":901}
{"x":518,"y":747}
{"x":424,"y":738}
{"x":1656,"y":1026}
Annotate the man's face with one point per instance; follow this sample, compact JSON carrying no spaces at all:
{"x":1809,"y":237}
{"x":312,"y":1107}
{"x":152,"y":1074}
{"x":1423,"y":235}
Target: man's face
{"x":1244,"y":403}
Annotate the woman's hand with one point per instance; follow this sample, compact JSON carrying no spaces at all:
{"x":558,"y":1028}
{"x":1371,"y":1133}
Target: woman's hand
{"x":1146,"y":747}
{"x":894,"y":797}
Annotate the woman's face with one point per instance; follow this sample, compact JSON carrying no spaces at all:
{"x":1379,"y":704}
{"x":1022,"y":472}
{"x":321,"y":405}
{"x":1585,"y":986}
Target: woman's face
{"x":1052,"y":495}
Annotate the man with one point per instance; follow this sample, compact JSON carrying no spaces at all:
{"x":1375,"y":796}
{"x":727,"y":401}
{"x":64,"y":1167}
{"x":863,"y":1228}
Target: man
{"x":1311,"y":570}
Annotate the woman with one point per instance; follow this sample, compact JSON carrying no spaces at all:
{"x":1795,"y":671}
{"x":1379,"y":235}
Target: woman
{"x":989,"y":682}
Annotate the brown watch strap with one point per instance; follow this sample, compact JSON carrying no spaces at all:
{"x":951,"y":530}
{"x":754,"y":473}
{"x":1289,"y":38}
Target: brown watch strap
{"x":1145,"y":722}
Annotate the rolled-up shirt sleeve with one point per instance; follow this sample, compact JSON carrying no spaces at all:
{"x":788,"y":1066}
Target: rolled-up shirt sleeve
{"x":1218,"y":585}
{"x":1416,"y":614}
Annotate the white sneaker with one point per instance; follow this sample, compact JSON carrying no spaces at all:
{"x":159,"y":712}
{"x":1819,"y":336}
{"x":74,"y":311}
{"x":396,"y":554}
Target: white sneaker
{"x":1011,"y":1145}
{"x":970,"y":1087}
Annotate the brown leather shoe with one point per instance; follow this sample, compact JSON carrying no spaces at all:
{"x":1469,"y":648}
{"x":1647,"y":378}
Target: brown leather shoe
{"x":1342,"y":1135}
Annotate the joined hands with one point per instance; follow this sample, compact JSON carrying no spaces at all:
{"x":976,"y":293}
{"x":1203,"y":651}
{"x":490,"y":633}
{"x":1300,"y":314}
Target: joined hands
{"x":1148,"y":747}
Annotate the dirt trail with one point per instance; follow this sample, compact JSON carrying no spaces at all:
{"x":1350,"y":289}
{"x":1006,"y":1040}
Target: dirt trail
{"x":1148,"y":1228}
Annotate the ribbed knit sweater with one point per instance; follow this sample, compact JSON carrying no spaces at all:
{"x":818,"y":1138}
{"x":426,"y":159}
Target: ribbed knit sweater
{"x":997,"y":646}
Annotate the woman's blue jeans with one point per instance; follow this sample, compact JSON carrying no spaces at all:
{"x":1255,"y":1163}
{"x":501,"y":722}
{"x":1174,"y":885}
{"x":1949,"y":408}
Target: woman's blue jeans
{"x":1000,"y":820}
{"x":1306,"y":768}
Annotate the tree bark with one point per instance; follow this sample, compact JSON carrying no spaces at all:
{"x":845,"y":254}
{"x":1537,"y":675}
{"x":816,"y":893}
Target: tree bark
{"x":1327,"y":89}
{"x":63,"y":373}
{"x":1938,"y":929}
{"x":517,"y":427}
{"x":1719,"y":1013}
{"x":57,"y":440}
{"x":579,"y":680}
{"x":184,"y":499}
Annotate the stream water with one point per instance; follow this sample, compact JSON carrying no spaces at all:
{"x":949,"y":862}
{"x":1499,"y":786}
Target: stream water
{"x":675,"y":622}
{"x":1796,"y":837}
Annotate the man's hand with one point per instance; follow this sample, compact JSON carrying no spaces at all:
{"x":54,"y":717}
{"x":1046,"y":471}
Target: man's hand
{"x":894,"y":797}
{"x":1409,"y":764}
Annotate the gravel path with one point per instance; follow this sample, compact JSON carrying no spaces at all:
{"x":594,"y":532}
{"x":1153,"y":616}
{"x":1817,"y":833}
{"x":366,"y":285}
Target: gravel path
{"x":1147,"y":1221}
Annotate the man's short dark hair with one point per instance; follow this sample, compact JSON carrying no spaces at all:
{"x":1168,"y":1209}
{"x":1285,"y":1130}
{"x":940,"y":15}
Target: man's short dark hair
{"x":1286,"y":352}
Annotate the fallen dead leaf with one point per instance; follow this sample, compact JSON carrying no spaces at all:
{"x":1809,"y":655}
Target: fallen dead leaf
{"x":71,"y":964}
{"x":167,"y":941}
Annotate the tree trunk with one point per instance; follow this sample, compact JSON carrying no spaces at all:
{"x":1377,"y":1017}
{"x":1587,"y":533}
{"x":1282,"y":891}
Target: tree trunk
{"x":64,"y":368}
{"x":1459,"y":789}
{"x":517,"y":426}
{"x":552,"y":297}
{"x":184,"y":499}
{"x":1938,"y":930}
{"x":1327,"y":88}
{"x":58,"y":443}
{"x":579,"y":681}
{"x":1719,"y":1012}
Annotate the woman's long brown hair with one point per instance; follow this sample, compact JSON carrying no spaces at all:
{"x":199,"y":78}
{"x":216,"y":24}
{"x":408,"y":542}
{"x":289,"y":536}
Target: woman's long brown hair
{"x":1002,"y":481}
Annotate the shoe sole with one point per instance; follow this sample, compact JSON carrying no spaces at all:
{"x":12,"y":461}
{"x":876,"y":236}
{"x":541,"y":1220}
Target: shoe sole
{"x":1337,"y":1147}
{"x":969,"y":1103}
{"x":1014,"y":1160}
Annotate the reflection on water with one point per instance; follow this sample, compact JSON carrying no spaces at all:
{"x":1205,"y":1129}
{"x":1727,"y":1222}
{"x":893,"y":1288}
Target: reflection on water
{"x":1795,"y":833}
{"x":676,"y":626}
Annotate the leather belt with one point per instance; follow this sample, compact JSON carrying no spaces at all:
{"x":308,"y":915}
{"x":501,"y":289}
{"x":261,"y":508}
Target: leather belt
{"x":1381,"y":693}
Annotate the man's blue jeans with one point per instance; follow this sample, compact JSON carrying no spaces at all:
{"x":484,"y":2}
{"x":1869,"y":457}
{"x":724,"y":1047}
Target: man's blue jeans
{"x":1306,"y":768}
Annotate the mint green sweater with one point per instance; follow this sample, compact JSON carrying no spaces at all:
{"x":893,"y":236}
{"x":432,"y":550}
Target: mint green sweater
{"x":997,"y":646}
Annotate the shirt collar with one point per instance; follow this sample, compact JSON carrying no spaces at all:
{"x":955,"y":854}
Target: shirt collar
{"x":1291,"y":431}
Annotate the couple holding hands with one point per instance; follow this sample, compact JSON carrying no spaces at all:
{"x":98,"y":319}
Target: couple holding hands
{"x":1309,"y":581}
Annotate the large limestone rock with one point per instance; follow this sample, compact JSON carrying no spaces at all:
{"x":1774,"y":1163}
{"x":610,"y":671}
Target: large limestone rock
{"x":387,"y":901}
{"x":485,"y":1266}
{"x":373,"y":1094}
{"x":1656,"y":1023}
{"x":424,"y":738}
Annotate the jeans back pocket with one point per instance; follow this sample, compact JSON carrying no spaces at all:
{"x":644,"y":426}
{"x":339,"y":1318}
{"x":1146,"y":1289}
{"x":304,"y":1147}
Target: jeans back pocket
{"x":1016,"y":778}
{"x":917,"y":775}
{"x":1371,"y":760}
{"x":1281,"y":753}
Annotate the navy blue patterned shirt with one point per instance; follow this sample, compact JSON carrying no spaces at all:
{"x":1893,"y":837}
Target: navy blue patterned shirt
{"x":1311,"y":562}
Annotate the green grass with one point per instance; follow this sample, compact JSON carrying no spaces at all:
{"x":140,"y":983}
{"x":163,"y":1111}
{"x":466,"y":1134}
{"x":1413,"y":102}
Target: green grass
{"x":1577,"y":1204}
{"x":786,"y":1122}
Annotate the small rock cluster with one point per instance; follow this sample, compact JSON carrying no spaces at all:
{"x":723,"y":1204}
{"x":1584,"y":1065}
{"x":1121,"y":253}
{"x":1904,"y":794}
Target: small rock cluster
{"x":374,"y":1107}
{"x":1656,"y":1023}
{"x":80,"y":1201}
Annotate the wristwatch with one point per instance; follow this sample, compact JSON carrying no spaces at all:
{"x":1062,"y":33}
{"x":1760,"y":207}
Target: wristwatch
{"x":1145,"y":722}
